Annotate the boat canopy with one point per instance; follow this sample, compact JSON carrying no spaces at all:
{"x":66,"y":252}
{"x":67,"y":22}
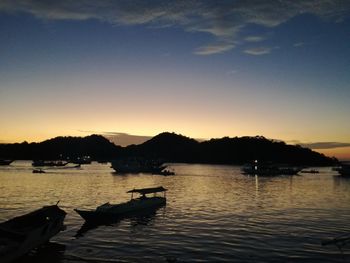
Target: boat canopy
{"x":144,"y":191}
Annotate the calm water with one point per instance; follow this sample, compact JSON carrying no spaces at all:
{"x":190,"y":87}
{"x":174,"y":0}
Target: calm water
{"x":213,"y":213}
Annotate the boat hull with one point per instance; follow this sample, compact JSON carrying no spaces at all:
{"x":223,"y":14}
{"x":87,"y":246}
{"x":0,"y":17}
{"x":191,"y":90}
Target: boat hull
{"x":24,"y":233}
{"x":5,"y":162}
{"x":115,"y":212}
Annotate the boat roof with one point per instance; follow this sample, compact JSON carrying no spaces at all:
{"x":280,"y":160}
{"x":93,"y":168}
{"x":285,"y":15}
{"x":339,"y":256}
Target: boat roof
{"x":148,"y":190}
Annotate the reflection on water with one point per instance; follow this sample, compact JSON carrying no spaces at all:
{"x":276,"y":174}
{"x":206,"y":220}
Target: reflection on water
{"x":140,"y":218}
{"x":52,"y":251}
{"x":213,"y":213}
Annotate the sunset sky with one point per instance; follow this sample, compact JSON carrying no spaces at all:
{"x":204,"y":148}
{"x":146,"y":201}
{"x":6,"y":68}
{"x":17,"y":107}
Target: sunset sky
{"x":204,"y":69}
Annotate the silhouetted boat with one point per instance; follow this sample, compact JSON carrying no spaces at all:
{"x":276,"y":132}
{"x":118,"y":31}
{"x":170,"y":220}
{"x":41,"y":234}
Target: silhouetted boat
{"x":82,"y":160}
{"x":137,"y":165}
{"x":268,"y":169}
{"x":166,"y":172}
{"x":38,"y":171}
{"x":344,"y":170}
{"x":6,"y":162}
{"x":312,"y":171}
{"x":48,"y":163}
{"x":21,"y":234}
{"x":339,"y":241}
{"x":110,"y":212}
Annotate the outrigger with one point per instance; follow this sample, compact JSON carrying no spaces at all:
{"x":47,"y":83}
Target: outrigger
{"x":110,"y":212}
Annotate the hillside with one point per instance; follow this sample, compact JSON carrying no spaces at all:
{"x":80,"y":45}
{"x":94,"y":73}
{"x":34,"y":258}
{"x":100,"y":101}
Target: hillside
{"x":96,"y":146}
{"x":170,"y":147}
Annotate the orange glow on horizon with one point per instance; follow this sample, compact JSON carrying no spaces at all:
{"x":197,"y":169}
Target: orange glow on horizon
{"x":341,"y":153}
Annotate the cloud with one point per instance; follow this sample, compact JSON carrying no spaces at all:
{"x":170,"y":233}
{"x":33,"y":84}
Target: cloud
{"x":298,"y":44}
{"x":325,"y":145}
{"x":125,"y":139}
{"x":121,"y":138}
{"x":258,"y":51}
{"x":214,"y":48}
{"x":224,"y":20}
{"x":255,"y":38}
{"x":232,"y":72}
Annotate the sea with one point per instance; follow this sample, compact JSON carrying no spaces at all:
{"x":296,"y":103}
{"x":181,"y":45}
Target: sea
{"x":214,"y":213}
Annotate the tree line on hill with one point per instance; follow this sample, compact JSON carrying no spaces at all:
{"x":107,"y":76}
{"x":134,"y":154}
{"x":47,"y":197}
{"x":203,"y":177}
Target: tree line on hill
{"x":169,"y":147}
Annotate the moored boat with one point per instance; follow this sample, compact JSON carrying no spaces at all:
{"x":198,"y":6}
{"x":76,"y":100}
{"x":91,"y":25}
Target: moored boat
{"x":138,"y":165}
{"x":82,"y":160}
{"x":38,"y":171}
{"x":109,"y":212}
{"x":166,"y":172}
{"x":268,"y":169}
{"x":5,"y":162}
{"x":344,"y":170}
{"x":21,"y":234}
{"x":37,"y":163}
{"x":312,"y":171}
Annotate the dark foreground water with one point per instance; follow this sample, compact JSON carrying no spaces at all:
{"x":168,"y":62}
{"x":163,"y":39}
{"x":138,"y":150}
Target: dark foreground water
{"x":213,"y":214}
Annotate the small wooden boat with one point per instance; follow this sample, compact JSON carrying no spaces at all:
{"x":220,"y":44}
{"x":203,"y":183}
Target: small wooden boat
{"x":21,"y":234}
{"x":5,"y":162}
{"x":344,"y":170}
{"x":166,"y":172}
{"x":48,"y":163}
{"x":312,"y":171}
{"x":138,"y":165}
{"x":109,"y":212}
{"x":38,"y":171}
{"x":268,"y":169}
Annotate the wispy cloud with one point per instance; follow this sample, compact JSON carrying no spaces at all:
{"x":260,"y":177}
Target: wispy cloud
{"x":254,"y":38}
{"x":258,"y":51}
{"x":325,"y":145}
{"x":224,"y":20}
{"x":121,"y":138}
{"x":232,"y":72}
{"x":298,"y":44}
{"x":214,"y":49}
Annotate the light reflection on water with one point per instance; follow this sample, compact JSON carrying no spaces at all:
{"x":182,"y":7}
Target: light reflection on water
{"x":213,"y":213}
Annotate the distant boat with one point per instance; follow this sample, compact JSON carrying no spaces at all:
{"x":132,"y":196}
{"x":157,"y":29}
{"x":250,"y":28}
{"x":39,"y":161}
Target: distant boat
{"x":268,"y":169}
{"x":344,"y":170}
{"x":48,"y":163}
{"x":166,"y":172}
{"x":38,"y":171}
{"x":5,"y":162}
{"x":82,"y":160}
{"x":138,"y":165}
{"x":21,"y":234}
{"x":108,"y":212}
{"x":312,"y":171}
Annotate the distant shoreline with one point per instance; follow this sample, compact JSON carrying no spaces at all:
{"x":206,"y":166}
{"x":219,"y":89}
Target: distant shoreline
{"x":169,"y":147}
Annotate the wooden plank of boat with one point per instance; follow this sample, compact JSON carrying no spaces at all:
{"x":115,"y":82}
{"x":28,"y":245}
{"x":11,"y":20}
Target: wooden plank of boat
{"x":21,"y":234}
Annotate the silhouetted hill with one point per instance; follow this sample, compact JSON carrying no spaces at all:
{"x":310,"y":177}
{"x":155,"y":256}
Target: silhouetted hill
{"x":178,"y":148}
{"x":243,"y":149}
{"x":167,"y":146}
{"x":170,"y":147}
{"x":96,"y":146}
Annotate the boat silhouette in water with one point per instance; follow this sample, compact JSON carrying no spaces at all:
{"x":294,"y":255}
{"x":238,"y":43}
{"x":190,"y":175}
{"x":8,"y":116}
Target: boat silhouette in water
{"x":344,"y":170}
{"x":138,"y":165}
{"x":110,"y":212}
{"x":268,"y":169}
{"x":21,"y":234}
{"x":48,"y":163}
{"x":5,"y":162}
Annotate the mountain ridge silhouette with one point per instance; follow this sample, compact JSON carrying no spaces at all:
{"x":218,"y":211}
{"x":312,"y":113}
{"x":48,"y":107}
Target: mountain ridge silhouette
{"x":170,"y":147}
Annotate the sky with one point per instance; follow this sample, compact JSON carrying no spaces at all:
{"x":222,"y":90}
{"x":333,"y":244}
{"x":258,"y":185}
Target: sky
{"x":204,"y":69}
